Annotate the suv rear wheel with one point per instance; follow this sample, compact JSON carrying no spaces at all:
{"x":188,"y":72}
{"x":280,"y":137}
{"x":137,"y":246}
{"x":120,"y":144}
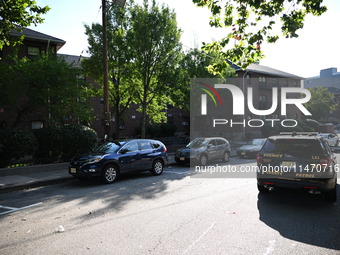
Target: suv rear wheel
{"x":226,"y":157}
{"x":203,"y":160}
{"x":157,"y":167}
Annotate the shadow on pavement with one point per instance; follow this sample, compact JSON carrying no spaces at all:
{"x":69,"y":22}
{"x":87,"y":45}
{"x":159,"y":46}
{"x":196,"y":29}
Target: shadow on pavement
{"x":111,"y":197}
{"x":301,"y":217}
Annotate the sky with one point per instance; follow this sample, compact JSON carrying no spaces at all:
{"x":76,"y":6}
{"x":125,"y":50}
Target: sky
{"x":316,"y":48}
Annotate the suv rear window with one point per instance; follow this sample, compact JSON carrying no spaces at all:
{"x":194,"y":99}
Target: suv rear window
{"x":295,"y":147}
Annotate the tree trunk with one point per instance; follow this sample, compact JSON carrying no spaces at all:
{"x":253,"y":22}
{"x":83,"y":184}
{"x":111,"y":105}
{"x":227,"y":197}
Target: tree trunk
{"x":143,"y":126}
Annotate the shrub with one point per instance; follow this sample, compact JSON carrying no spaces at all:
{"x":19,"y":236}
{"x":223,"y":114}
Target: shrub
{"x":77,"y":140}
{"x":15,"y":144}
{"x":168,"y":129}
{"x":63,"y":143}
{"x":50,"y":147}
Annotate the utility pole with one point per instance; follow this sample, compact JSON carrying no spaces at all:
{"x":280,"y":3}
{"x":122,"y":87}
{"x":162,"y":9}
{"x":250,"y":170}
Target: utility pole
{"x":106,"y":70}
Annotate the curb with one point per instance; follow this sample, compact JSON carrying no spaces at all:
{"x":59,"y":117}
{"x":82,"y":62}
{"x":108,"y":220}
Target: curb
{"x":34,"y":184}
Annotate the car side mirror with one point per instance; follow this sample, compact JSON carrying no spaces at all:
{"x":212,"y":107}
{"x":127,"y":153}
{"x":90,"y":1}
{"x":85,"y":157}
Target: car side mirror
{"x":123,"y":151}
{"x":210,"y":145}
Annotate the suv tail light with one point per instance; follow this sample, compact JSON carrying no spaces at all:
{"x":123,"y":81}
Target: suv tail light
{"x":165,"y":149}
{"x":259,"y":159}
{"x":326,"y":162}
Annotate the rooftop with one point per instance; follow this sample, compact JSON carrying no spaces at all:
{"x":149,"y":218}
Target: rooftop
{"x":37,"y":36}
{"x":256,"y":68}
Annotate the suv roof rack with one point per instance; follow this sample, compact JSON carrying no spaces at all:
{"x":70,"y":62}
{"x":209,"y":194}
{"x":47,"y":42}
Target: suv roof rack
{"x":299,"y":133}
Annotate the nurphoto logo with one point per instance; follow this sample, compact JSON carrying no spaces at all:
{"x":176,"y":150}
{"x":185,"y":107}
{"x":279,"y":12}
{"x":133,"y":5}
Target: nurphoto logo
{"x":280,"y":98}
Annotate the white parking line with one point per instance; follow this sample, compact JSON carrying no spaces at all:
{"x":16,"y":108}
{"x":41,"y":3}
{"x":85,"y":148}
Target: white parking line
{"x":14,"y":209}
{"x":199,"y":238}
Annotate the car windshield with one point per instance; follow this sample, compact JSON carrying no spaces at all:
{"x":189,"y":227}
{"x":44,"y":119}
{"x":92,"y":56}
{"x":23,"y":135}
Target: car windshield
{"x":108,"y":148}
{"x":294,"y":147}
{"x":323,"y":135}
{"x":257,"y":142}
{"x":197,"y":143}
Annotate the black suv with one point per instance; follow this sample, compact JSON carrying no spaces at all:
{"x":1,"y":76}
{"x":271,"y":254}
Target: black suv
{"x":300,"y":161}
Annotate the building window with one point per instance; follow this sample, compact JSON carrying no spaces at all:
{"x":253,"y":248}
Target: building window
{"x":33,"y":51}
{"x":185,"y":123}
{"x":262,"y":79}
{"x":275,"y":82}
{"x":37,"y":124}
{"x":262,"y":98}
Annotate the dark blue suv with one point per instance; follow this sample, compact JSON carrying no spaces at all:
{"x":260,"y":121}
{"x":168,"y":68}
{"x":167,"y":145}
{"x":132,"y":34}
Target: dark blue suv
{"x":113,"y":158}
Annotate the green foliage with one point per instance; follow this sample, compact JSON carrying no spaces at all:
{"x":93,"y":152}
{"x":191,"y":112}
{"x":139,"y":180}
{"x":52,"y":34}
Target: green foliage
{"x":47,"y":83}
{"x":250,"y":23}
{"x":14,"y":144}
{"x":154,"y":48}
{"x":16,"y":13}
{"x":46,"y":137}
{"x":67,"y":142}
{"x":196,"y":64}
{"x":77,"y":140}
{"x":321,"y":103}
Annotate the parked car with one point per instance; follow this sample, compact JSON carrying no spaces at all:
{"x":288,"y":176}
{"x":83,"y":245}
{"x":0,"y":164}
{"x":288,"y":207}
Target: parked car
{"x":332,"y":139}
{"x":251,"y":149}
{"x":297,"y":161}
{"x":111,"y":159}
{"x":202,"y":150}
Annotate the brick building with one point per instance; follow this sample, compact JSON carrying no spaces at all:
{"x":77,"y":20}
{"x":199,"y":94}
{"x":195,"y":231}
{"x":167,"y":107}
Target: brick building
{"x":262,"y":79}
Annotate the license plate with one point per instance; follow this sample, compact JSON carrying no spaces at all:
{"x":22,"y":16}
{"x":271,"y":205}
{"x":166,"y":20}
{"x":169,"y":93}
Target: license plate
{"x":73,"y":170}
{"x":182,"y":158}
{"x":243,"y":153}
{"x":288,"y":164}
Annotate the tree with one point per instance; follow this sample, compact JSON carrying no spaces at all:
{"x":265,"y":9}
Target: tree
{"x":17,"y":14}
{"x":154,"y":50}
{"x":252,"y":22}
{"x":194,"y":64}
{"x":321,"y":102}
{"x":47,"y":84}
{"x":118,"y":61}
